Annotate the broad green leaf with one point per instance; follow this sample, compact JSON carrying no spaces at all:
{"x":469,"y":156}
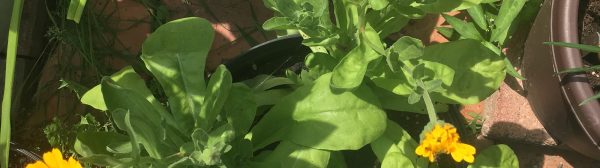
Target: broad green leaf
{"x":126,"y":78}
{"x":402,"y":82}
{"x":92,"y":143}
{"x":478,"y":16}
{"x":447,"y":32}
{"x":392,"y":25}
{"x":433,"y":85}
{"x":395,"y":160}
{"x":321,"y":41}
{"x":316,"y":116}
{"x":588,"y":48}
{"x":127,"y":98}
{"x":465,"y":29}
{"x":240,"y":109}
{"x":397,"y":86}
{"x":414,"y":98}
{"x":266,"y":82}
{"x":296,"y":9}
{"x":351,"y":70}
{"x":378,"y":4}
{"x":346,"y":16}
{"x":217,"y":92}
{"x":392,"y":18}
{"x":336,"y":160}
{"x":370,"y":37}
{"x":398,"y":81}
{"x":508,"y":12}
{"x":217,"y":144}
{"x":396,"y":140}
{"x":270,"y":97}
{"x":183,"y":162}
{"x":102,"y":160}
{"x":430,"y":70}
{"x":289,"y":154}
{"x":496,"y":156}
{"x":478,"y":71}
{"x":441,"y":6}
{"x":133,"y":113}
{"x":269,"y":4}
{"x":241,"y":151}
{"x":319,"y":63}
{"x":199,"y":139}
{"x":391,"y":101}
{"x":278,"y":23}
{"x":176,"y":54}
{"x":510,"y":69}
{"x":122,"y":120}
{"x":406,"y":48}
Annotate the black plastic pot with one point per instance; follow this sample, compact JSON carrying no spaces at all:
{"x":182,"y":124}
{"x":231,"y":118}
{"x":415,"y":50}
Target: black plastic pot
{"x":555,"y":97}
{"x":272,"y":57}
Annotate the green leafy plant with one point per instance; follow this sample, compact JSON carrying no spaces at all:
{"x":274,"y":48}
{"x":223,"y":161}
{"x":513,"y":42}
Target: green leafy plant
{"x":583,"y":47}
{"x":353,"y":76}
{"x":337,"y":104}
{"x":196,"y":128}
{"x":62,"y":135}
{"x":492,"y":27}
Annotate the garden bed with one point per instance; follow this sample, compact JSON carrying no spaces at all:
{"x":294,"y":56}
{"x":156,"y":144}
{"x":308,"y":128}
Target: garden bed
{"x":352,"y":102}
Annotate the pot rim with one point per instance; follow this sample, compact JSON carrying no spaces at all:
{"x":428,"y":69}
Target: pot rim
{"x":575,"y":87}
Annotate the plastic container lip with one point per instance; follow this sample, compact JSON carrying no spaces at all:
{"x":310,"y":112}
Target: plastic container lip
{"x":575,"y":87}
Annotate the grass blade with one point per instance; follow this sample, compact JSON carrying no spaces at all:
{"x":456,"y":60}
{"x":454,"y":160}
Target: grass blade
{"x":590,"y":99}
{"x":582,"y":69}
{"x":76,"y":10}
{"x":476,"y":12}
{"x":508,"y":12}
{"x":465,"y":29}
{"x":11,"y":54}
{"x":588,"y":48}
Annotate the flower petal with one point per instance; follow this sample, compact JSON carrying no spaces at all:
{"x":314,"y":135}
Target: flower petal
{"x":469,"y":158}
{"x":74,"y":163}
{"x":37,"y":164}
{"x":53,"y":158}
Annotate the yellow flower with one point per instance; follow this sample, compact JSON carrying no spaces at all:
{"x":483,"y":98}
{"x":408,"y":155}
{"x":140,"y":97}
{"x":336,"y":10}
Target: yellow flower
{"x":54,"y":159}
{"x":445,"y":139}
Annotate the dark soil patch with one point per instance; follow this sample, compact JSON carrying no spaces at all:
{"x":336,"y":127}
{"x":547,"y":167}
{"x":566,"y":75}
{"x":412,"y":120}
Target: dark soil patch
{"x":590,"y":35}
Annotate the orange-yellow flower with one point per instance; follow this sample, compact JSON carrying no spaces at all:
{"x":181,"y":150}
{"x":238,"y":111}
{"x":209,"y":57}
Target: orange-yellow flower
{"x":54,"y":159}
{"x":445,"y":139}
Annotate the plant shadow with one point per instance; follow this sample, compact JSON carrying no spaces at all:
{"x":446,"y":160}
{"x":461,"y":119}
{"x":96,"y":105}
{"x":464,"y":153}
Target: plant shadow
{"x":534,"y":154}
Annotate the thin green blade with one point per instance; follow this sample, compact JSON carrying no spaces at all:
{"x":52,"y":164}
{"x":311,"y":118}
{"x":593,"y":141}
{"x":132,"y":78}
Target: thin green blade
{"x":11,"y":54}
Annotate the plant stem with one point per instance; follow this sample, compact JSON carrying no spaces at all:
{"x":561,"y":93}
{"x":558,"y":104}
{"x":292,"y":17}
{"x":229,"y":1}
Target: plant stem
{"x":11,"y":54}
{"x":428,"y":103}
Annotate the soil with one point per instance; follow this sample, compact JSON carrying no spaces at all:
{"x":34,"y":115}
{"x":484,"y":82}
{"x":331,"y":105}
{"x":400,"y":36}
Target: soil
{"x":590,"y":35}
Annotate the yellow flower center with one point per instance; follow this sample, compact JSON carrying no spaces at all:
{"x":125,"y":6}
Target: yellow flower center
{"x":445,"y":139}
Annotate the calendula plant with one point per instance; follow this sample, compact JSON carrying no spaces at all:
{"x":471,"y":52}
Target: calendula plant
{"x":338,"y":103}
{"x":203,"y":124}
{"x":352,"y":76}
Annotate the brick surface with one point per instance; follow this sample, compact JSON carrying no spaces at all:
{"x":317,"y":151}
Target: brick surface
{"x":508,"y":116}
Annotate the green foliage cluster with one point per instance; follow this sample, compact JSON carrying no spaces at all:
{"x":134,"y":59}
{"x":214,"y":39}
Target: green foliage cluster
{"x":338,"y":104}
{"x":195,"y":129}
